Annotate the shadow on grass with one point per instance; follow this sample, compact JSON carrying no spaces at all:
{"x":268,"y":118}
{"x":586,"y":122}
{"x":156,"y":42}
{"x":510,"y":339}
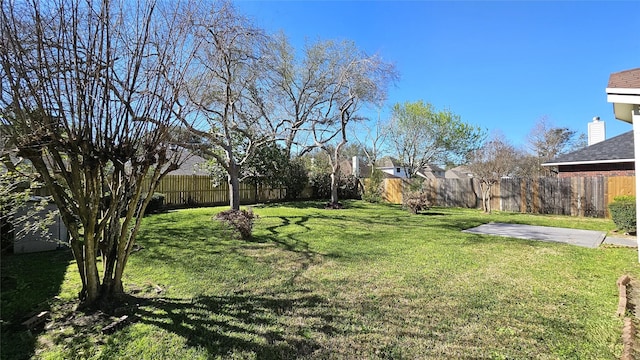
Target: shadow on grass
{"x":271,"y":326}
{"x":320,"y":204}
{"x":310,"y":204}
{"x":29,"y":282}
{"x":431,"y":213}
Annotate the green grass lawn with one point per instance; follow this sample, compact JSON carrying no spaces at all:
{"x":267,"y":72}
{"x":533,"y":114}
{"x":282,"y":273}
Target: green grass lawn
{"x":369,"y":281}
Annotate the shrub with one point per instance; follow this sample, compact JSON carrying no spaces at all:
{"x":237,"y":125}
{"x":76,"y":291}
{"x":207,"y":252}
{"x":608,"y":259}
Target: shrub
{"x":156,"y":204}
{"x":416,"y":201}
{"x":347,"y":186}
{"x":623,"y":213}
{"x":321,"y":186}
{"x":240,"y":220}
{"x":295,"y":179}
{"x":625,"y":198}
{"x":374,"y":190}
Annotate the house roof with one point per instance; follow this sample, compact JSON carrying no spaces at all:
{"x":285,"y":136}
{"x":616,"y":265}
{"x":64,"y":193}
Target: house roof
{"x":433,"y":168}
{"x":388,"y":162}
{"x":191,"y":164}
{"x":614,"y":150}
{"x":459,"y":172}
{"x":627,"y":79}
{"x":428,"y":171}
{"x":391,"y":162}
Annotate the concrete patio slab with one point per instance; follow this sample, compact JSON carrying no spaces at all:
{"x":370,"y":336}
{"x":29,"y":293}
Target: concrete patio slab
{"x":618,"y":241}
{"x":585,"y":238}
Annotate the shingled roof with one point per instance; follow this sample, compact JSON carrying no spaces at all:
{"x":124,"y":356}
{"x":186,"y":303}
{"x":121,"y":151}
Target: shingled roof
{"x":613,"y":150}
{"x":191,"y":164}
{"x":627,"y":79}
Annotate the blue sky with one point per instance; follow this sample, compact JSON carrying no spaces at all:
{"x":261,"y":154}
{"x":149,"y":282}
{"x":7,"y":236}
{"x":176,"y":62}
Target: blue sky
{"x":501,"y":65}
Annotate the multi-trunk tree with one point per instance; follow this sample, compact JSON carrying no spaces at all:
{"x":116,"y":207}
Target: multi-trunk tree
{"x":89,"y":98}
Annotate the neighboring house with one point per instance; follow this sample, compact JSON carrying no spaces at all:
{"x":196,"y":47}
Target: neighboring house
{"x":611,"y":157}
{"x":432,"y":172}
{"x":459,"y":172}
{"x":393,"y":168}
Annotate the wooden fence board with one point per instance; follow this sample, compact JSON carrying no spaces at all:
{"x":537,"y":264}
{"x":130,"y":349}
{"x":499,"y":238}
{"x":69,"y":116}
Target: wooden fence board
{"x":619,"y":186}
{"x":393,"y":191}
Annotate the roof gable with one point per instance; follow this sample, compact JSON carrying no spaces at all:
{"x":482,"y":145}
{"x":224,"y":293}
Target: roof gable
{"x":615,"y":149}
{"x":388,"y":162}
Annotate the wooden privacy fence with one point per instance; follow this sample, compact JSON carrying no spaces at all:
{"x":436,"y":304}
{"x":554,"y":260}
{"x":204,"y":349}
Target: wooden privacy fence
{"x":577,"y":196}
{"x":200,"y":190}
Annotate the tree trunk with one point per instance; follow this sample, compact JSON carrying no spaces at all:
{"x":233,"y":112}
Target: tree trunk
{"x":334,"y":187}
{"x":91,"y":270}
{"x":486,"y":198}
{"x":234,"y":187}
{"x":78,"y":255}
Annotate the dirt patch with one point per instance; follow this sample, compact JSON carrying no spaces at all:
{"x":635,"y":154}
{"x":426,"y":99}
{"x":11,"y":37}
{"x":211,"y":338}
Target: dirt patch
{"x":333,"y":206}
{"x":83,"y":328}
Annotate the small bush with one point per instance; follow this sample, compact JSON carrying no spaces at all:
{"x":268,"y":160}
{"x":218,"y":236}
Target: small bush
{"x":416,"y":202}
{"x":348,"y":187}
{"x":373,"y":197}
{"x":240,"y":220}
{"x":321,"y":185}
{"x":156,"y":204}
{"x":375,"y":189}
{"x":623,"y":213}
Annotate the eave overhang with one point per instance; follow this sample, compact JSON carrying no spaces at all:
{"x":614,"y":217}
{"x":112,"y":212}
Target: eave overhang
{"x":625,"y":101}
{"x":589,"y":162}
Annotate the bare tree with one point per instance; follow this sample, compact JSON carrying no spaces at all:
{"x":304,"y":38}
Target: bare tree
{"x":301,"y":86}
{"x":493,"y":161}
{"x":547,"y":141}
{"x":321,"y":94}
{"x":88,"y":97}
{"x":422,"y":135}
{"x":373,"y":139}
{"x":228,"y":88}
{"x":528,"y":165}
{"x":356,"y":79}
